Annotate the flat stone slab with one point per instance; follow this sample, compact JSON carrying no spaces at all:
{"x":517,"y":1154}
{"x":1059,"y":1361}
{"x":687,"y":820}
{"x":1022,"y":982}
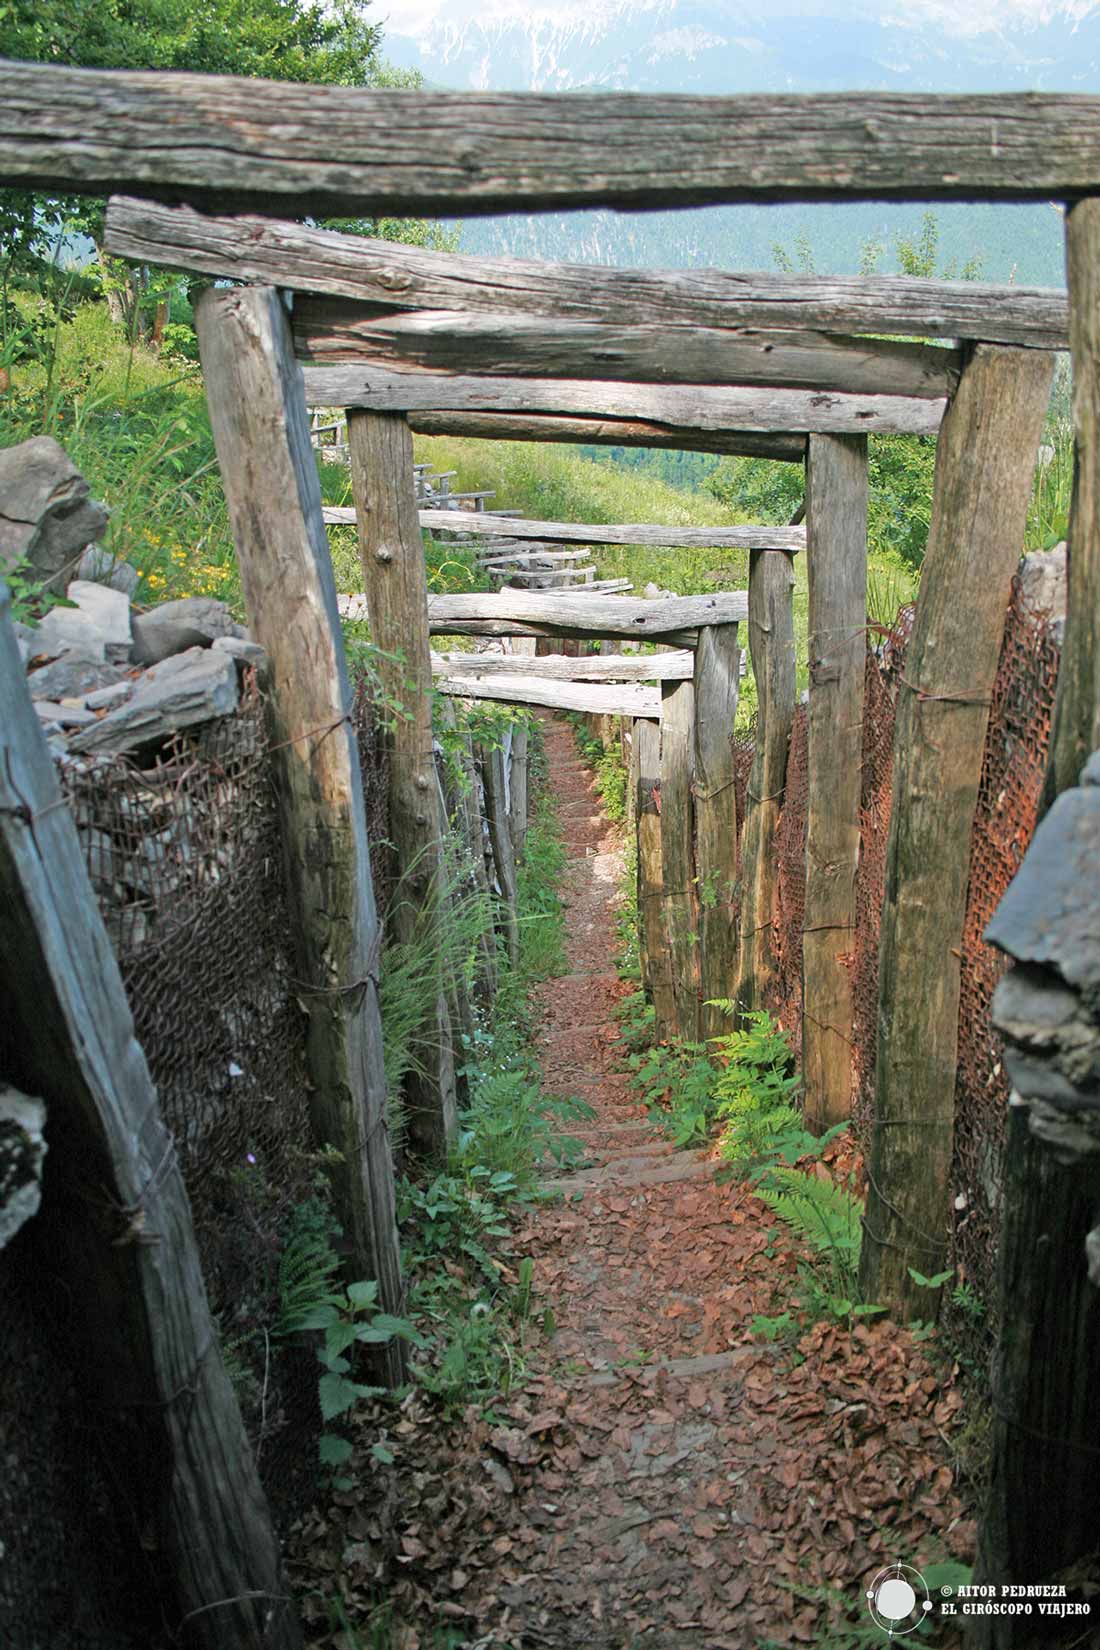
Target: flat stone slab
{"x":183,"y":690}
{"x":66,"y":716}
{"x":678,"y":1369}
{"x":176,"y":627}
{"x":1050,"y":913}
{"x":626,"y":1173}
{"x":46,"y":514}
{"x":98,"y":628}
{"x":72,"y":678}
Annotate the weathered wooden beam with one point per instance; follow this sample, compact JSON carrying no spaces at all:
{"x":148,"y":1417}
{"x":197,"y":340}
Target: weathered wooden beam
{"x":984,"y":467}
{"x":571,"y":532}
{"x":494,"y":782}
{"x":567,"y":612}
{"x":331,"y":331}
{"x":113,"y":1239}
{"x":674,"y":665}
{"x":1076,"y":728}
{"x":523,"y":650}
{"x":391,"y":554}
{"x":717,"y":683}
{"x":653,"y":957}
{"x":544,"y":557}
{"x":681,"y":909}
{"x":771,"y":646}
{"x":608,"y":432}
{"x":593,"y":698}
{"x":464,"y":803}
{"x":689,"y":407}
{"x":391,"y":276}
{"x":261,"y":432}
{"x":836,"y":511}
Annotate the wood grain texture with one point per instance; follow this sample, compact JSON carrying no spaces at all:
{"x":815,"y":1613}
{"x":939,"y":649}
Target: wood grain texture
{"x":836,"y":511}
{"x":328,"y":331}
{"x":1076,"y":729}
{"x":346,"y":151}
{"x":608,"y":432}
{"x":391,"y":555}
{"x":984,"y":467}
{"x":523,"y":650}
{"x":465,"y":809}
{"x":681,"y":908}
{"x":592,"y":698}
{"x":490,"y":760}
{"x":717,"y":682}
{"x":653,"y":957}
{"x":567,"y":612}
{"x":570,"y":532}
{"x":703,"y":408}
{"x":261,"y":432}
{"x":393,"y":276}
{"x":114,"y":1230}
{"x":674,"y":665}
{"x":771,"y":647}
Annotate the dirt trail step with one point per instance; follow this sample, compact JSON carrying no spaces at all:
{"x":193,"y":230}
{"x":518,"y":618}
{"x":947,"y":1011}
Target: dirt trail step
{"x":625,"y":1174}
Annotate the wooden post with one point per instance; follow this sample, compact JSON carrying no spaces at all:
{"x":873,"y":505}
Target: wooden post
{"x":114,"y":1231}
{"x":466,"y":810}
{"x":391,"y":552}
{"x":771,"y":645}
{"x":717,"y":682}
{"x":836,"y":509}
{"x":493,"y":780}
{"x":652,"y":950}
{"x":681,"y":911}
{"x":523,"y":646}
{"x":1076,"y":729}
{"x":984,"y":467}
{"x":261,"y":431}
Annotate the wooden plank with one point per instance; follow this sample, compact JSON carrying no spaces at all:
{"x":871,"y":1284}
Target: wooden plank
{"x":681,"y":911}
{"x":836,"y":493}
{"x":593,"y":698}
{"x":261,"y":432}
{"x":608,"y":432}
{"x":546,"y":558}
{"x":771,"y":646}
{"x":1076,"y":730}
{"x":677,"y":665}
{"x":464,"y":806}
{"x":717,"y":683}
{"x":653,"y":960}
{"x":391,"y":275}
{"x":689,"y":407}
{"x":391,"y":554}
{"x":635,"y":617}
{"x":984,"y":469}
{"x":523,"y":650}
{"x":490,"y":760}
{"x":328,"y":331}
{"x":113,"y":1247}
{"x":571,"y":532}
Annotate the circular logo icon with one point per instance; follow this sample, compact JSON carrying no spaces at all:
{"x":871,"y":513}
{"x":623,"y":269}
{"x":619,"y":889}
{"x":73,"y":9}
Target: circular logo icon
{"x":898,"y":1600}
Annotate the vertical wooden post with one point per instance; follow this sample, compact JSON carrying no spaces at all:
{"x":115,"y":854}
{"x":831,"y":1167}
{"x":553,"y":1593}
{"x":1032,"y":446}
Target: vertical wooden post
{"x":496,"y":813}
{"x":836,"y":551}
{"x":261,"y":431}
{"x":678,"y":852}
{"x":717,"y":683}
{"x":984,"y":467}
{"x":114,"y":1231}
{"x":1076,"y":729}
{"x":391,"y":551}
{"x":652,"y":950}
{"x":771,"y":645}
{"x":466,"y":809}
{"x":524,"y":646}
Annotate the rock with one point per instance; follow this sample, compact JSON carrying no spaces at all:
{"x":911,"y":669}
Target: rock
{"x":100,"y":567}
{"x":1050,"y":913}
{"x":69,"y":678}
{"x":242,"y":648}
{"x":98,"y":628}
{"x":654,"y":592}
{"x":46,"y":514}
{"x":182,"y":690}
{"x":110,"y":695}
{"x":1043,"y":583}
{"x":22,"y":1148}
{"x":26,"y":638}
{"x":63,"y":716}
{"x":174,"y":627}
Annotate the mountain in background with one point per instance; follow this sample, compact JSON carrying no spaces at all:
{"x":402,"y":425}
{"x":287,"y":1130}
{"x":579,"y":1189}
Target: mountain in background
{"x":801,"y":46}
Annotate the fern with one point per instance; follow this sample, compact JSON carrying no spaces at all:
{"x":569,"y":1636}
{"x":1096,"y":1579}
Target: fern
{"x":826,"y":1215}
{"x":307,"y":1269}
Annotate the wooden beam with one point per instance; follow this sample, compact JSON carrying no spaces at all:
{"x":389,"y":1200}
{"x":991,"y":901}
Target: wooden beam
{"x":653,"y":960}
{"x":390,"y":275}
{"x":773,"y":411}
{"x":676,"y":665}
{"x":608,"y":432}
{"x":261,"y":432}
{"x":391,"y":554}
{"x":594,"y":698}
{"x":113,"y":1249}
{"x":984,"y":469}
{"x":464,"y":802}
{"x":717,"y":683}
{"x":568,"y":613}
{"x":523,"y":649}
{"x":571,"y":532}
{"x":681,"y":910}
{"x":771,"y":647}
{"x":836,"y":511}
{"x":494,"y":783}
{"x":1076,"y":729}
{"x":331,"y":331}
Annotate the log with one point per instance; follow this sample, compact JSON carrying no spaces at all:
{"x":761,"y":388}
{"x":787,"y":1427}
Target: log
{"x":836,"y":561}
{"x":464,"y":803}
{"x":523,"y":647}
{"x":608,"y":432}
{"x":328,"y":331}
{"x":261,"y":432}
{"x":681,"y":910}
{"x":771,"y":646}
{"x":524,"y":613}
{"x":590,"y":698}
{"x":717,"y":683}
{"x":1076,"y":726}
{"x":113,"y":1245}
{"x":984,"y":467}
{"x":570,"y":532}
{"x":688,"y":406}
{"x":653,"y":962}
{"x":677,"y":665}
{"x":391,"y":275}
{"x":391,"y":554}
{"x":495,"y":786}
